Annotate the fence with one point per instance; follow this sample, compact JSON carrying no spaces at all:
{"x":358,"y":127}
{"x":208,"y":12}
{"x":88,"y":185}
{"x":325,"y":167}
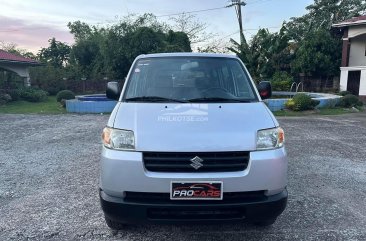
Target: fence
{"x":319,"y":84}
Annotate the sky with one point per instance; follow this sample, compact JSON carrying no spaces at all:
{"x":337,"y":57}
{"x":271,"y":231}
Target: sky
{"x":31,"y":23}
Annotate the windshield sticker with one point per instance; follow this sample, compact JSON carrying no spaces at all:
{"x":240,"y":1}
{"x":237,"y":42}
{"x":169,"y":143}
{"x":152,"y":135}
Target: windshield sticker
{"x":143,"y":63}
{"x":137,"y":70}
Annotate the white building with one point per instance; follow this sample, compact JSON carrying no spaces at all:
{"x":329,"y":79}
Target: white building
{"x":353,"y":70}
{"x":17,"y":64}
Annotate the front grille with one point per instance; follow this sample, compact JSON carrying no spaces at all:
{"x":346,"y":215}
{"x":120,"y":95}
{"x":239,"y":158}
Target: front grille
{"x":164,"y":198}
{"x":195,"y":214}
{"x":182,"y":161}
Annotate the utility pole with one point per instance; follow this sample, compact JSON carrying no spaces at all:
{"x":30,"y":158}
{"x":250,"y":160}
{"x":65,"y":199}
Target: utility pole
{"x":238,"y":4}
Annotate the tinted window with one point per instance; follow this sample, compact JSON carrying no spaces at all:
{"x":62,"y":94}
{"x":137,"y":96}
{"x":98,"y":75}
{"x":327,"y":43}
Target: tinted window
{"x":188,"y":78}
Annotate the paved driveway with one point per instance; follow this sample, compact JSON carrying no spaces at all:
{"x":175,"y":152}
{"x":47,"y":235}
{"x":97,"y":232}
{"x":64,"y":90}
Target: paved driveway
{"x":49,"y":172}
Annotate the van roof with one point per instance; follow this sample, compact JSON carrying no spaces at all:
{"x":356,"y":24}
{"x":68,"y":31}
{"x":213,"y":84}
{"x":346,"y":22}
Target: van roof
{"x":187,"y":54}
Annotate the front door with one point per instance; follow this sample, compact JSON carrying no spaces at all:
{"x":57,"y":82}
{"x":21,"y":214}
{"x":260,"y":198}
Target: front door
{"x":353,"y":83}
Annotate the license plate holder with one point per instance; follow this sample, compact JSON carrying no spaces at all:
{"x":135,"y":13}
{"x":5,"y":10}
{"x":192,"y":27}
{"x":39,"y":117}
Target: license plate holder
{"x":196,"y":190}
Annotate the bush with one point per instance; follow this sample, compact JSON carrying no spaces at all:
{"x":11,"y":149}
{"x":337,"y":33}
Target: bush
{"x":53,"y":90}
{"x":350,"y":101}
{"x":4,"y":98}
{"x":15,"y":94}
{"x":301,"y":102}
{"x":33,"y":95}
{"x":281,"y":81}
{"x":344,"y":93}
{"x":63,"y":103}
{"x":65,"y":95}
{"x":290,"y":104}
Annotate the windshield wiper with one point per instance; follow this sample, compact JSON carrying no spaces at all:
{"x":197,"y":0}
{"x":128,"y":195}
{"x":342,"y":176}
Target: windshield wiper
{"x":219,"y":99}
{"x":154,"y":99}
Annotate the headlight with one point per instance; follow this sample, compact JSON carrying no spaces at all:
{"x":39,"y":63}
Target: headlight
{"x":118,"y":139}
{"x":270,"y":138}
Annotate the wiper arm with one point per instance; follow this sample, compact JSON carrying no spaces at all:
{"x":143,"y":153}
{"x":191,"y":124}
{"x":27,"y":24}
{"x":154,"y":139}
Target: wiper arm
{"x":154,"y":99}
{"x":218,"y":99}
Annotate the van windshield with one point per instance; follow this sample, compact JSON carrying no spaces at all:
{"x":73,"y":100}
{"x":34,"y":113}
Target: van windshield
{"x":189,"y":79}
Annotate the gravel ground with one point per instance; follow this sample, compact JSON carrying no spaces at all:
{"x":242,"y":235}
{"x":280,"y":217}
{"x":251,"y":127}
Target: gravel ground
{"x":49,"y":174}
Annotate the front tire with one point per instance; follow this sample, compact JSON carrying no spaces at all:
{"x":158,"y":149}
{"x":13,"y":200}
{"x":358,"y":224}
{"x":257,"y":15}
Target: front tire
{"x":114,"y":225}
{"x":265,"y":223}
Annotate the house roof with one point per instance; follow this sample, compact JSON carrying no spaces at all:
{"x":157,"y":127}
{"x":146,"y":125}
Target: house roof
{"x":13,"y":58}
{"x":361,"y":20}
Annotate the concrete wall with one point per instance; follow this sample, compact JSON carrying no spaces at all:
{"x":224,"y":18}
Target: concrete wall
{"x":344,"y":79}
{"x":357,"y":53}
{"x":363,"y":83}
{"x":21,"y":70}
{"x":356,"y":30}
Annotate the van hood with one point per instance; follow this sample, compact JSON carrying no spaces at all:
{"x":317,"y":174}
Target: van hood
{"x":194,"y":127}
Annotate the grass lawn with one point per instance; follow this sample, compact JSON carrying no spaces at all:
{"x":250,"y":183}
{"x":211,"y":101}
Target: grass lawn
{"x":51,"y":106}
{"x":334,"y":111}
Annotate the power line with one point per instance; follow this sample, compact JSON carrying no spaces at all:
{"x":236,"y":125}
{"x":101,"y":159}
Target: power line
{"x":159,"y":16}
{"x":196,"y":11}
{"x":210,"y":9}
{"x":229,"y":35}
{"x":251,"y":29}
{"x":246,"y":30}
{"x":258,"y":1}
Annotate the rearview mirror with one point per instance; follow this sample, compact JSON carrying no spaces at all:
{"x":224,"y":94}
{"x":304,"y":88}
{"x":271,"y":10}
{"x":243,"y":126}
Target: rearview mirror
{"x":113,"y":90}
{"x":265,"y":89}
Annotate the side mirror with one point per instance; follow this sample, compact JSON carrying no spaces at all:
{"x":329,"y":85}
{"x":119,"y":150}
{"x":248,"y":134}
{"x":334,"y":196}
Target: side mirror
{"x":113,"y":90}
{"x":265,"y":89}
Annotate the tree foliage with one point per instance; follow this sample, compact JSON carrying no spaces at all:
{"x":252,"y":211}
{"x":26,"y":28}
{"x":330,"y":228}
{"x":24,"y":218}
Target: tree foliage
{"x":266,"y":54}
{"x":322,"y":14}
{"x":319,"y":47}
{"x":13,"y":48}
{"x":304,"y":45}
{"x":100,"y":52}
{"x":319,"y":55}
{"x":196,"y":30}
{"x":57,"y":54}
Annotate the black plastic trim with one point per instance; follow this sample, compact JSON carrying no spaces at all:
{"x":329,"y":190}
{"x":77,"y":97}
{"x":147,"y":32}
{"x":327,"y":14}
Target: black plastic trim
{"x":117,"y":209}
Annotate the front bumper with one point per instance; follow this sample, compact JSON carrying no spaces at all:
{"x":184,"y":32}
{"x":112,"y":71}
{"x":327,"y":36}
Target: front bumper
{"x":117,"y":209}
{"x":123,"y":171}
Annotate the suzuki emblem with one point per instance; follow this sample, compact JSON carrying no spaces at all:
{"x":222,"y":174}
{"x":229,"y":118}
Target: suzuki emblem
{"x":196,"y":162}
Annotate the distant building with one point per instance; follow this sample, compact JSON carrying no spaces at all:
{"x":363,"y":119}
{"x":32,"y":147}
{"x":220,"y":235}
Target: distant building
{"x":17,"y":64}
{"x":353,"y":69}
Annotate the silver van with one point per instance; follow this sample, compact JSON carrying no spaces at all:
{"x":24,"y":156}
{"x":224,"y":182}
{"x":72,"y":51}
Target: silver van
{"x":190,"y":140}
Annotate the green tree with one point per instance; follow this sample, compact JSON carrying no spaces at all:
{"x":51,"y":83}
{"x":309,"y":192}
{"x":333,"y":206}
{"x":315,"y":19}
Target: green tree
{"x":265,"y":54}
{"x":13,"y":48}
{"x":80,"y":30}
{"x":322,"y":14}
{"x":319,"y":55}
{"x":318,"y":46}
{"x":110,"y":51}
{"x":242,"y":50}
{"x":56,"y":54}
{"x":270,"y":52}
{"x":177,"y":42}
